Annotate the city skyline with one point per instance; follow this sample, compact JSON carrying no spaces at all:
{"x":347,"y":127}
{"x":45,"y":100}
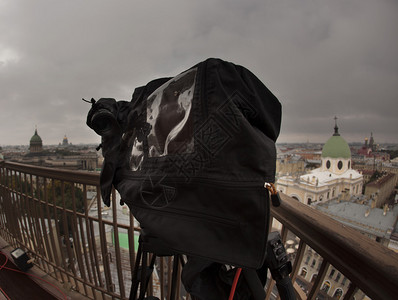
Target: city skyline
{"x":321,"y":60}
{"x":26,"y":144}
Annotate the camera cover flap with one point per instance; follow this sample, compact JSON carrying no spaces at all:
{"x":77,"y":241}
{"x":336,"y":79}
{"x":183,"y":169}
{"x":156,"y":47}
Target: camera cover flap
{"x":190,"y":155}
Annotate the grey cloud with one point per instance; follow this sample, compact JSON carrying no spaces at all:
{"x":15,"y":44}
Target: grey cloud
{"x":321,"y":60}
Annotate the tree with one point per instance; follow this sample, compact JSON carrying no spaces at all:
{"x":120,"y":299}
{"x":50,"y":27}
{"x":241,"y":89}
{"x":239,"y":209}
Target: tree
{"x":63,"y":195}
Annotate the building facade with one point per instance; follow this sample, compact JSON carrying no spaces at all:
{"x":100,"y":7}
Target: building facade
{"x":381,"y":189}
{"x":334,"y":179}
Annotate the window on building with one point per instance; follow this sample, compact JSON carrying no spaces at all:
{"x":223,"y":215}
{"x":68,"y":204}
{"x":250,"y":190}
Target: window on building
{"x":340,"y":165}
{"x":333,"y":191}
{"x":303,"y":272}
{"x":349,"y":164}
{"x":307,"y":260}
{"x":344,"y":280}
{"x":309,"y":200}
{"x":338,"y":277}
{"x":328,"y":164}
{"x":313,"y":263}
{"x":332,"y":271}
{"x":326,"y":286}
{"x":328,"y":195}
{"x":338,"y":294}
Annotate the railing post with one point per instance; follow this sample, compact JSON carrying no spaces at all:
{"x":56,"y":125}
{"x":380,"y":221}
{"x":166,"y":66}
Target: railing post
{"x":104,"y":251}
{"x":352,"y":289}
{"x":318,"y":281}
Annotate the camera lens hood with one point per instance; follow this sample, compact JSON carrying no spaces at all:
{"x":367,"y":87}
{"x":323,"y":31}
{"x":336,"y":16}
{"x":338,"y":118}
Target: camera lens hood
{"x":104,"y":123}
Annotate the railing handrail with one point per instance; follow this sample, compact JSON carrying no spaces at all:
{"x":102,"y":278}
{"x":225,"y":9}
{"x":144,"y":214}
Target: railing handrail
{"x":82,"y":177}
{"x":371,"y":266}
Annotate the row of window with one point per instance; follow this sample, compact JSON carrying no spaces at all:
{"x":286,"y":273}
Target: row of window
{"x":331,"y":274}
{"x":326,"y":284}
{"x":338,"y":276}
{"x":356,"y":189}
{"x":309,"y":200}
{"x":340,"y":164}
{"x":338,"y":292}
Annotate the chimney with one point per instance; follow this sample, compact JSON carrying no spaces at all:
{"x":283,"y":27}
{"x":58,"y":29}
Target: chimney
{"x":373,"y":204}
{"x":385,"y":209}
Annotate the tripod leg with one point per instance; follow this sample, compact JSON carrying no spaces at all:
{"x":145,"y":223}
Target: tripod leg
{"x":254,"y":283}
{"x":149,"y":274}
{"x":134,"y":280}
{"x":174,"y":280}
{"x":143,"y":280}
{"x":146,"y":273}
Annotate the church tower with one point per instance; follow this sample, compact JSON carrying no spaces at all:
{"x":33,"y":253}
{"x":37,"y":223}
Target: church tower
{"x":372,"y":142}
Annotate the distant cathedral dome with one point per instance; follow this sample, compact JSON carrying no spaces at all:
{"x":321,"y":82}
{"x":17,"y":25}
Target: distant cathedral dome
{"x":336,"y":154}
{"x":65,"y":141}
{"x":36,"y":143}
{"x":336,"y":147}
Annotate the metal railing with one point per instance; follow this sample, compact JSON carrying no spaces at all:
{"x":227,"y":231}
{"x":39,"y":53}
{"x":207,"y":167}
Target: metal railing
{"x":50,"y":214}
{"x":58,"y":217}
{"x":368,"y":265}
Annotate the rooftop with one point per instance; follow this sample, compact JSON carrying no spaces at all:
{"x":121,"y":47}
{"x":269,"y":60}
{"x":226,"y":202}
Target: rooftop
{"x":324,"y":177}
{"x":361,"y":217}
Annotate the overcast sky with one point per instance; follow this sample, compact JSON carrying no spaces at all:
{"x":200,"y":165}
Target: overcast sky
{"x":320,"y":58}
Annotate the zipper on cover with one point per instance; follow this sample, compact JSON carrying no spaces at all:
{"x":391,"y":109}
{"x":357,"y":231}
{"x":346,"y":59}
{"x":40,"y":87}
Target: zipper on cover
{"x":187,"y":215}
{"x":207,"y":181}
{"x":275,"y":197}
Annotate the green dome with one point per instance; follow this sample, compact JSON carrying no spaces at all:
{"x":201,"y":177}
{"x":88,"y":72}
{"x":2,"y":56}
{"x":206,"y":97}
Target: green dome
{"x":36,"y":139}
{"x":336,"y":147}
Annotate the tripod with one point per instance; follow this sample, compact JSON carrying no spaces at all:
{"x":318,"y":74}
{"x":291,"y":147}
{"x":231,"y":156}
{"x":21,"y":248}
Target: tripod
{"x":276,"y":261}
{"x":142,"y":271}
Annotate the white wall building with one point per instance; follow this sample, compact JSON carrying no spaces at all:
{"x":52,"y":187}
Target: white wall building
{"x":334,"y":179}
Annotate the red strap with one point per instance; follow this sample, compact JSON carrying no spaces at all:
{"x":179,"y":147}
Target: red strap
{"x":234,"y":284}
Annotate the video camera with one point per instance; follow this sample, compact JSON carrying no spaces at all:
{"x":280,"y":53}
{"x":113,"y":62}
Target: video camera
{"x":190,"y":155}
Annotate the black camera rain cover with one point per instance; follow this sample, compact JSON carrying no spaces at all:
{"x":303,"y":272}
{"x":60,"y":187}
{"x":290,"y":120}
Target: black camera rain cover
{"x":195,"y":151}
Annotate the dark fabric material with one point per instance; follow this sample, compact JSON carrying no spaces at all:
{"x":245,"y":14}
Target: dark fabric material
{"x":190,"y":155}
